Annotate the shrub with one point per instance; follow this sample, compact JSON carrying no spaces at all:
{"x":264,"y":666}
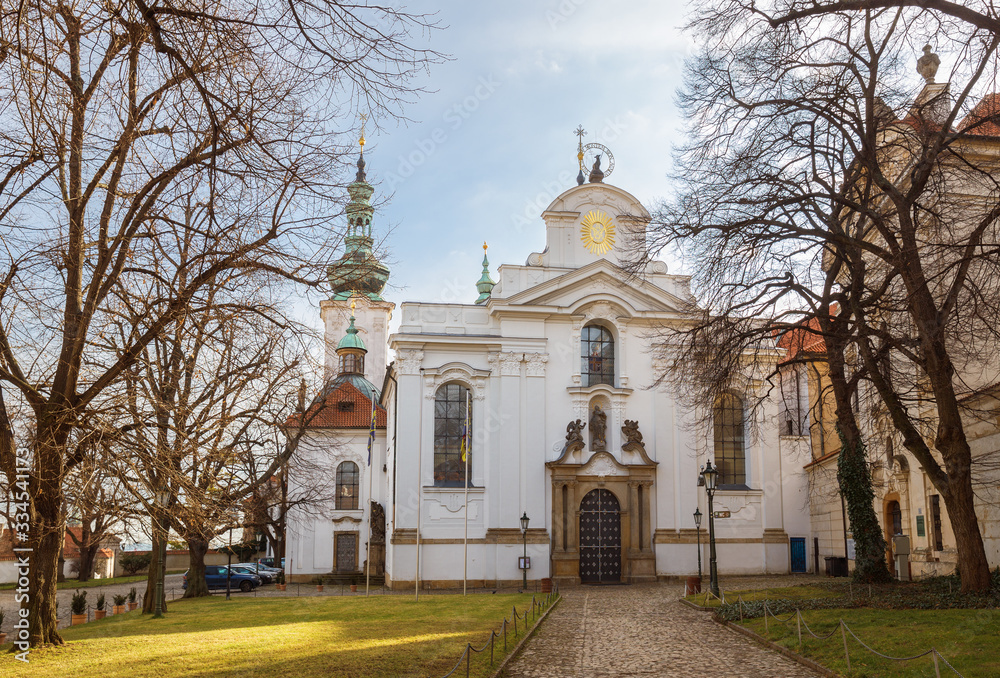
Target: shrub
{"x":101,"y":602}
{"x":119,"y":599}
{"x":131,"y":595}
{"x":79,"y":604}
{"x":1,"y":617}
{"x":133,"y":563}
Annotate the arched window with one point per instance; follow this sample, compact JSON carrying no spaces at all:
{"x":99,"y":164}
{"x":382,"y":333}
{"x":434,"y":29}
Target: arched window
{"x":347,"y":486}
{"x":352,"y":363}
{"x":452,"y":431}
{"x":597,"y":349}
{"x":730,"y":453}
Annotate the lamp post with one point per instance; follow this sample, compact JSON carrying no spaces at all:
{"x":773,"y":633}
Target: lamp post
{"x":162,"y":501}
{"x":524,"y":537}
{"x":697,"y":527}
{"x":711,"y":476}
{"x":229,"y":563}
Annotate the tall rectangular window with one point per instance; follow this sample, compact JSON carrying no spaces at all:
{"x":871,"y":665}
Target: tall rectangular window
{"x":452,"y":433}
{"x":597,"y":354}
{"x":936,"y":522}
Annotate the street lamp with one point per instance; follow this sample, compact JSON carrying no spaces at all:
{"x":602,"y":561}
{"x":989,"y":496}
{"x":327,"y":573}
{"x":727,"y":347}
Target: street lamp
{"x":229,"y":563}
{"x":162,"y":501}
{"x":524,"y":563}
{"x":711,"y":476}
{"x":697,"y":527}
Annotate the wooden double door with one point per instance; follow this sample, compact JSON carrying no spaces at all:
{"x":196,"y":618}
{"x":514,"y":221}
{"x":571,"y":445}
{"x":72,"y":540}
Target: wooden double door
{"x":600,"y":538}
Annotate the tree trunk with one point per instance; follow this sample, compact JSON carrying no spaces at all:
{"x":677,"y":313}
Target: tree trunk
{"x":88,"y":554}
{"x":47,"y":534}
{"x":149,"y":600}
{"x":196,"y":584}
{"x":973,"y":567}
{"x":853,"y":475}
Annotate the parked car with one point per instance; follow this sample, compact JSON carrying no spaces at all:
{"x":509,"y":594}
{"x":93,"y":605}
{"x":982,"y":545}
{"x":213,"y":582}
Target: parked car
{"x":261,"y":566}
{"x":266,"y":576}
{"x":215,"y":577}
{"x":270,"y":562}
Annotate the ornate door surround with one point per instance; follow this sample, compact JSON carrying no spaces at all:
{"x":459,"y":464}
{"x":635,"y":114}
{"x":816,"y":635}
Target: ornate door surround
{"x":630,"y":484}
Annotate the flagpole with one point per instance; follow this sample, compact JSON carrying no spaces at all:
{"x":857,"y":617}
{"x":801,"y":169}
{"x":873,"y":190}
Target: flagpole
{"x":465,"y":553}
{"x":420,"y":456}
{"x":371,"y":444}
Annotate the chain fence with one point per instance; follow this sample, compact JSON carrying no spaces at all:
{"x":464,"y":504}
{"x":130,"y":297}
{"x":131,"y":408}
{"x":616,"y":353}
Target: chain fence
{"x":936,"y":657}
{"x":530,"y":613}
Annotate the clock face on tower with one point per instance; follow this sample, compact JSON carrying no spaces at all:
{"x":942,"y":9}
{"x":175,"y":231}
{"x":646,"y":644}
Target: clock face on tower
{"x":597,"y":231}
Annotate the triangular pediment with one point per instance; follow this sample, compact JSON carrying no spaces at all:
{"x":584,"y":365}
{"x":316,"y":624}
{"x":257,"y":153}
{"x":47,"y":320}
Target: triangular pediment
{"x":601,"y":281}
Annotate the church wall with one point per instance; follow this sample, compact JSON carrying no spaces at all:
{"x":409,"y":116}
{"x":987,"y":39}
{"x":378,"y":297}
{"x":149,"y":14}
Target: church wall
{"x":311,"y":528}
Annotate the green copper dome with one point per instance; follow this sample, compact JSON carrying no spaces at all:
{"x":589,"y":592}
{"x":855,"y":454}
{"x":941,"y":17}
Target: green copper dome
{"x":351,"y":339}
{"x":358,"y":271}
{"x":485,"y":284}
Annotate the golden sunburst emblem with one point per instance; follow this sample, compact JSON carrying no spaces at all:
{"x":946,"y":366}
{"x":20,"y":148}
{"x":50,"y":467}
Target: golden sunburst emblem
{"x":597,"y":231}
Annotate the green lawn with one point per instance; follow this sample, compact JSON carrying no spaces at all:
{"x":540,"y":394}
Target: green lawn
{"x":295,"y":637}
{"x":788,"y":593}
{"x":968,"y":639}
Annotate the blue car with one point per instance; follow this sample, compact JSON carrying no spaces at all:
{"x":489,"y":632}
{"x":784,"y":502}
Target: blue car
{"x":215,"y":577}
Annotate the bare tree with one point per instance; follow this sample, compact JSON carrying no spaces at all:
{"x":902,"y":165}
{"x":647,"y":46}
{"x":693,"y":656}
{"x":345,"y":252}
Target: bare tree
{"x":817,"y":192}
{"x":111,"y":115}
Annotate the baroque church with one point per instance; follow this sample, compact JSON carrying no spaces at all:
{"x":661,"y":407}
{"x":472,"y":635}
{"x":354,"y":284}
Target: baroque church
{"x":527,"y":422}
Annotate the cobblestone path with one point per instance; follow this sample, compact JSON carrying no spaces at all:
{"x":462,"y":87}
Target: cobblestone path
{"x":641,"y":630}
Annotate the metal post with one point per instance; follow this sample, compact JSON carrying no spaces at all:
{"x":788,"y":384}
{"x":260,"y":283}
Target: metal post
{"x":698,"y":528}
{"x":843,"y":632}
{"x":524,"y":570}
{"x":229,"y":566}
{"x":713,"y":572}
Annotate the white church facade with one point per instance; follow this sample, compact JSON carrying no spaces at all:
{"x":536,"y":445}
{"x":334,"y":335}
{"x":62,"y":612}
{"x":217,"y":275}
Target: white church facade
{"x":550,"y":377}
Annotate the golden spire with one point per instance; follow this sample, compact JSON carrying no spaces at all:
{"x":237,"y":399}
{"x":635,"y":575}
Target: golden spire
{"x":361,"y":141}
{"x":354,"y":303}
{"x":485,"y":246}
{"x":580,"y":132}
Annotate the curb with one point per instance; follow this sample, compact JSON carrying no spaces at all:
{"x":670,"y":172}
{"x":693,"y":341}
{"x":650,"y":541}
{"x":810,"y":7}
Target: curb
{"x":517,"y":648}
{"x":794,"y":656}
{"x":695,"y":606}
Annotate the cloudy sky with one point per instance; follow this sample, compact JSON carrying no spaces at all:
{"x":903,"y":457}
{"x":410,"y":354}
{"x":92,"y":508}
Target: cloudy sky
{"x":492,"y":144}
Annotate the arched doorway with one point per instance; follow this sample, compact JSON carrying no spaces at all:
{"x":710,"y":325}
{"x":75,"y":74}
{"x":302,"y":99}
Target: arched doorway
{"x":893,"y":526}
{"x":600,"y":537}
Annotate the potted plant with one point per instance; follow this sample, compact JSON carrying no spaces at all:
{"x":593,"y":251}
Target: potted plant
{"x":119,"y":603}
{"x":354,"y":587}
{"x":132,"y":604}
{"x":99,"y":611}
{"x":319,"y":584}
{"x":280,"y":585}
{"x":79,"y":608}
{"x":3,"y":636}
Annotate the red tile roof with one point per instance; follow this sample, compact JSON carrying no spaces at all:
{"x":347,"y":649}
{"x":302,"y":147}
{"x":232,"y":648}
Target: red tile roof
{"x":70,"y":549}
{"x":344,"y":407}
{"x":802,"y":339}
{"x":984,"y":118}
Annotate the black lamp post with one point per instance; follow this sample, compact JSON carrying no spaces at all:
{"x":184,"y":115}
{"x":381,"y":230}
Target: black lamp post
{"x":524,"y":536}
{"x":162,"y":501}
{"x":697,"y":527}
{"x":711,"y":476}
{"x":229,"y":564}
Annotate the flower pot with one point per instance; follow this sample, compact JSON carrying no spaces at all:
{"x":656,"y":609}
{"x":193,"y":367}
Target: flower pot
{"x":693,"y":585}
{"x":78,"y":619}
{"x":117,"y":609}
{"x":354,"y":588}
{"x":132,"y":606}
{"x":3,"y":638}
{"x":280,"y":587}
{"x":319,"y":587}
{"x":100,"y":614}
{"x":546,"y":585}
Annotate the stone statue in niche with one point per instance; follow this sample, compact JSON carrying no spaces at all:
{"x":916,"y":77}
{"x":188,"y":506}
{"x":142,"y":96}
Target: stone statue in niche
{"x":598,"y":429}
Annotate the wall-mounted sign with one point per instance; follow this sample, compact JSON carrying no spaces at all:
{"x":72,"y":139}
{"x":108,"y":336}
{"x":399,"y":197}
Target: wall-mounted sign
{"x":722,"y":514}
{"x":524,"y":563}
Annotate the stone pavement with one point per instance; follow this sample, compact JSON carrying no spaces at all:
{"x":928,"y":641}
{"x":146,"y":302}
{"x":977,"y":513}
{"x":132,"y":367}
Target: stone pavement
{"x":641,"y":630}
